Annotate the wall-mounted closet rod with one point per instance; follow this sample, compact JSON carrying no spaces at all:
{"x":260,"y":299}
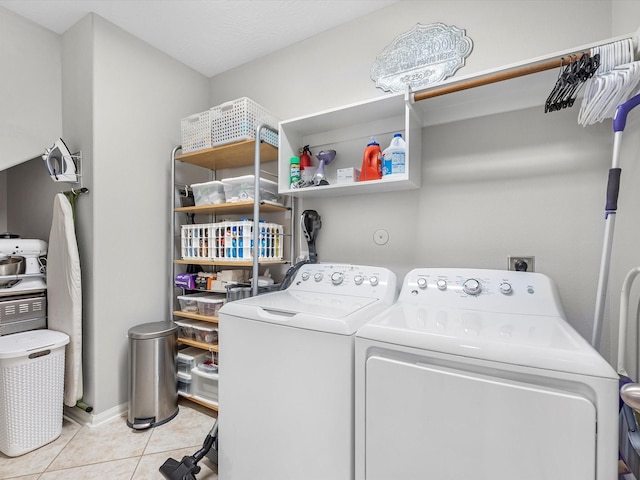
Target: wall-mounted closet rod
{"x":535,"y":66}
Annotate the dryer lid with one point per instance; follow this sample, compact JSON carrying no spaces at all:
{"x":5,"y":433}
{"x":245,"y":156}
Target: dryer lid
{"x":544,"y":342}
{"x":342,"y":314}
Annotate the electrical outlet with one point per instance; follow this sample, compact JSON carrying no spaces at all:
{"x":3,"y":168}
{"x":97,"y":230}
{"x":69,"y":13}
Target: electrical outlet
{"x":521,"y":263}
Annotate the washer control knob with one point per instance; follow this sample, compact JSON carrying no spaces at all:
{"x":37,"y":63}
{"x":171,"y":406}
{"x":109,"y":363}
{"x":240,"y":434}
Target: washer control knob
{"x":471,"y":287}
{"x":505,"y":288}
{"x":358,"y":279}
{"x":422,"y":282}
{"x":305,"y":276}
{"x":337,"y":278}
{"x":373,"y":281}
{"x":318,"y":276}
{"x":442,"y":284}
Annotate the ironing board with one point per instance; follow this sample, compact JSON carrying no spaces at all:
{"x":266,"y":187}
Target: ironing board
{"x":65,"y":294}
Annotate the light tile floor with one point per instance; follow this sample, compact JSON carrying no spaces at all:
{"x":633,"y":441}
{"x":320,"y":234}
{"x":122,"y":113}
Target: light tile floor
{"x":113,"y":450}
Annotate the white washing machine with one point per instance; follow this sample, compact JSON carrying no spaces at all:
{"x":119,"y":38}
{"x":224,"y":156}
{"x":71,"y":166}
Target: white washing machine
{"x":286,"y":374}
{"x":476,"y":374}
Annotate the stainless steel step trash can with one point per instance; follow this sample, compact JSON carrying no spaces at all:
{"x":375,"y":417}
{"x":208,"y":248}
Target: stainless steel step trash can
{"x":153,"y":387}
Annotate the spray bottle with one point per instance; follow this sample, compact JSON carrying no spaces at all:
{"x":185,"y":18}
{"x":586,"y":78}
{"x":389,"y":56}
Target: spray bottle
{"x":371,"y":161}
{"x":305,"y":157}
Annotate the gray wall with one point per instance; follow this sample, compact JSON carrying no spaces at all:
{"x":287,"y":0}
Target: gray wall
{"x":121,"y":102}
{"x":30,"y":109}
{"x":127,"y":120}
{"x":522,"y":183}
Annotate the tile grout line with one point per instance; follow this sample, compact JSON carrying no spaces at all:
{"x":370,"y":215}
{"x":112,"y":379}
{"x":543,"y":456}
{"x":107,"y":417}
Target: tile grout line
{"x":133,"y":474}
{"x":61,"y":450}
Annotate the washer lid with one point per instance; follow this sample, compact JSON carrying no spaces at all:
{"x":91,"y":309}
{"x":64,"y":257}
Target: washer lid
{"x":326,"y":312}
{"x":527,"y":340}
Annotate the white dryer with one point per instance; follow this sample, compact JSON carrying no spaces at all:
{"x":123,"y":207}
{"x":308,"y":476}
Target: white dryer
{"x":475,"y":374}
{"x":286,"y":374}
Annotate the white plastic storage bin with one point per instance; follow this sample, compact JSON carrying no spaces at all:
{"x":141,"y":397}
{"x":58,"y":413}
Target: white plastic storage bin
{"x":238,"y":119}
{"x":204,"y":385}
{"x":196,"y":131}
{"x":238,"y":189}
{"x":208,"y":193}
{"x":31,"y":389}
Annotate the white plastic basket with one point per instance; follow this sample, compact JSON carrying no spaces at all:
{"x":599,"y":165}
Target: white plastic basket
{"x":31,"y":389}
{"x":196,"y":241}
{"x":238,"y":119}
{"x":196,"y":131}
{"x":231,"y":241}
{"x":234,"y":241}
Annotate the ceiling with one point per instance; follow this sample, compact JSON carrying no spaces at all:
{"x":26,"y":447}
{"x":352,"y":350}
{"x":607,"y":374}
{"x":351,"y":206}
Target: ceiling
{"x":210,"y":36}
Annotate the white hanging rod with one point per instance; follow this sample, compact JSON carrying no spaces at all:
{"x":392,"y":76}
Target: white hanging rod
{"x":528,"y":67}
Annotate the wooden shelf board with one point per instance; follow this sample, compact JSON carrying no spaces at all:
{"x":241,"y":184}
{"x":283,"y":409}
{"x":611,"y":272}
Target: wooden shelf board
{"x":232,"y":155}
{"x":202,"y":345}
{"x":227,"y":263}
{"x":195,"y":316}
{"x":232,"y":208}
{"x":204,"y":403}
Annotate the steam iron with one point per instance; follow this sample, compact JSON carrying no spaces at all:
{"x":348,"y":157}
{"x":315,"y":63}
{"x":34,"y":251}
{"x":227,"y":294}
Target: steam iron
{"x":59,"y":162}
{"x":325,"y":157}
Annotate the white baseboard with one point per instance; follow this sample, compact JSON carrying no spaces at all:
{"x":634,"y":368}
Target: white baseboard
{"x":81,"y":417}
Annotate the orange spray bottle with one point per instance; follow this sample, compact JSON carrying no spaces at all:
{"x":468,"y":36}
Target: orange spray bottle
{"x":371,"y":161}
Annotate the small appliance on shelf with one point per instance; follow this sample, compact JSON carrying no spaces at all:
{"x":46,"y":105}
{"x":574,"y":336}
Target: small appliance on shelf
{"x":23,"y":285}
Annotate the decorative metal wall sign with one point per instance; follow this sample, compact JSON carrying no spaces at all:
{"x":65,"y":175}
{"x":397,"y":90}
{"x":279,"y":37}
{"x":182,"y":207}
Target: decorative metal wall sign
{"x":423,"y":56}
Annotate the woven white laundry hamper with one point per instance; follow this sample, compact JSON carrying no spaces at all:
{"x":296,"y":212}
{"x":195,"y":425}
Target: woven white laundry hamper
{"x":31,"y":390}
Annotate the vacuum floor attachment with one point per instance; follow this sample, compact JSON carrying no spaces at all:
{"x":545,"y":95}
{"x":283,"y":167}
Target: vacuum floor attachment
{"x":188,"y":467}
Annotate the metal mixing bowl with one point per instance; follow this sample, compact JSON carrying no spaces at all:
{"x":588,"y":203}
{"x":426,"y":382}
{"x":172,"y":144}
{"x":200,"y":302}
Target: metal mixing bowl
{"x":11,"y":266}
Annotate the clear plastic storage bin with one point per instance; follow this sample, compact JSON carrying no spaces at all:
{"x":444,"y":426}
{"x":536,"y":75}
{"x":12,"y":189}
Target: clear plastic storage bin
{"x":208,"y":193}
{"x":238,"y":189}
{"x":189,"y":358}
{"x":188,"y":303}
{"x":31,"y":389}
{"x":210,"y":305}
{"x":204,"y":385}
{"x":184,"y":384}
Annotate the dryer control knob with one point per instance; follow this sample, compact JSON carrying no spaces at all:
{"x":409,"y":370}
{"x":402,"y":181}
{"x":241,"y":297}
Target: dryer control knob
{"x":337,"y":277}
{"x":471,"y":287}
{"x":442,"y":284}
{"x":422,"y":282}
{"x":318,"y":276}
{"x":506,"y":288}
{"x":305,"y":276}
{"x":358,"y":279}
{"x":373,"y":281}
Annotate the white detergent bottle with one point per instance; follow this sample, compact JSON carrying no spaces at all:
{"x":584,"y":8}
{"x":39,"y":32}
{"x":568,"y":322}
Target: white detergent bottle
{"x":394,"y":157}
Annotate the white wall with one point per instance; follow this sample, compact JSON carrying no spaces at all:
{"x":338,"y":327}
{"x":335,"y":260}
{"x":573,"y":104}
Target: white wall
{"x":522,"y":183}
{"x":626,"y":255}
{"x":30,"y":93}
